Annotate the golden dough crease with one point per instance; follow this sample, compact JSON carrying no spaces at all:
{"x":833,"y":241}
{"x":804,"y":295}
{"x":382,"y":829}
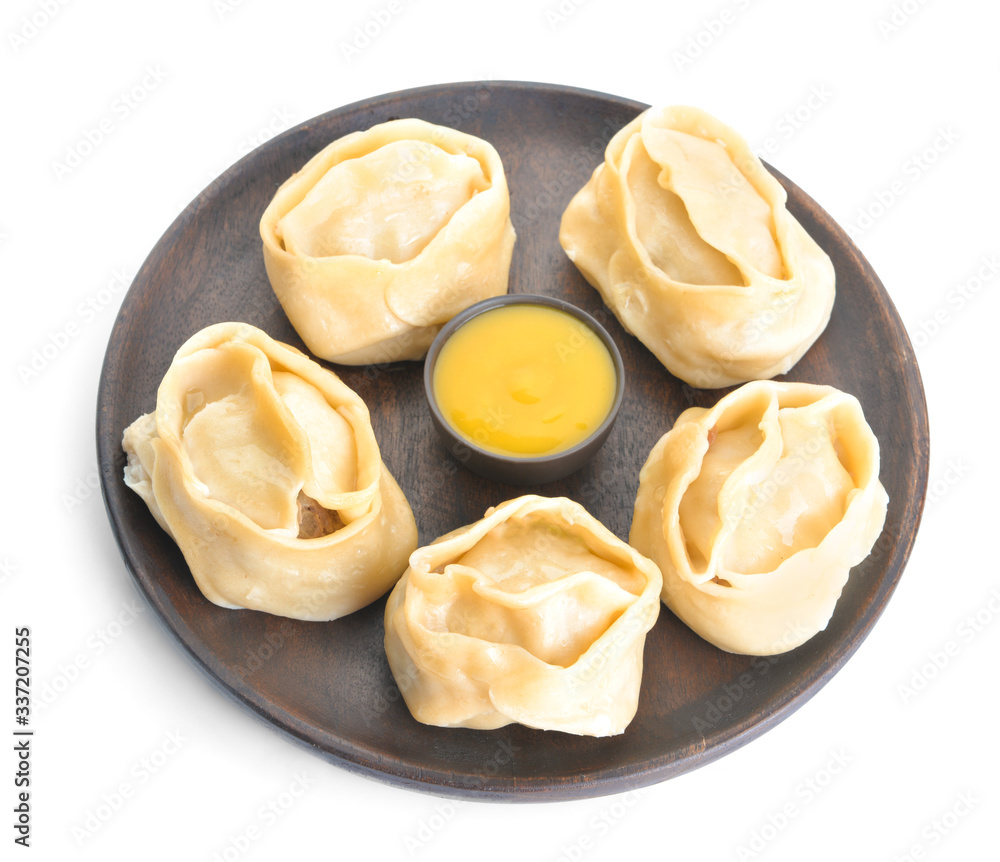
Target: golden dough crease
{"x":386,"y":234}
{"x":535,"y":614}
{"x":756,"y":510}
{"x":264,"y":469}
{"x":687,"y":238}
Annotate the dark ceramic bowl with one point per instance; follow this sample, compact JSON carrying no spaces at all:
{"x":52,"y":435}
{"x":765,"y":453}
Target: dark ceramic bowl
{"x":512,"y":469}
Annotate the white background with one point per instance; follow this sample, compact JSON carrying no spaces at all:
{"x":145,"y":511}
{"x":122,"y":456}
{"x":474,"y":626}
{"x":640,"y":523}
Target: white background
{"x":902,"y":93}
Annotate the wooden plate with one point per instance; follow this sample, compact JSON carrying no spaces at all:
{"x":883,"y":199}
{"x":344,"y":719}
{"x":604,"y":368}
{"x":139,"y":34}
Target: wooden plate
{"x":328,"y":684}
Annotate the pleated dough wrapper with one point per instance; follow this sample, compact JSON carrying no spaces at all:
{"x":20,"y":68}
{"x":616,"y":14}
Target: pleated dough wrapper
{"x":536,"y":614}
{"x":686,"y":236}
{"x":756,"y":510}
{"x":253,"y":444}
{"x":384,"y":236}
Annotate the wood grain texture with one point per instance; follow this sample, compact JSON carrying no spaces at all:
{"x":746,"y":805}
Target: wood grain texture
{"x":328,"y":684}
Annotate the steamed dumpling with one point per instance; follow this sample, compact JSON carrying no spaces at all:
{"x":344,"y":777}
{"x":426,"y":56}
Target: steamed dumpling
{"x":264,"y":469}
{"x":686,"y":236}
{"x":536,"y":614}
{"x":384,"y":236}
{"x":756,"y":510}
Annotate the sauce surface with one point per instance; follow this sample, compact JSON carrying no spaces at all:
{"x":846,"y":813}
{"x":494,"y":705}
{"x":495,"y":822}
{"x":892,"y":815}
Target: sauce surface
{"x":525,"y":380}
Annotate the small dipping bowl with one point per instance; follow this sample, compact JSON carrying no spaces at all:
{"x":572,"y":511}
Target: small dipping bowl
{"x":500,"y":366}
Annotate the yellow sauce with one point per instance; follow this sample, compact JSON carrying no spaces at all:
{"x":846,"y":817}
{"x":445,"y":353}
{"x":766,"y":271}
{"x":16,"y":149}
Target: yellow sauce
{"x":524,"y":380}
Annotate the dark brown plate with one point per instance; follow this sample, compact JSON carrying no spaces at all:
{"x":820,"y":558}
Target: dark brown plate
{"x":328,"y":684}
